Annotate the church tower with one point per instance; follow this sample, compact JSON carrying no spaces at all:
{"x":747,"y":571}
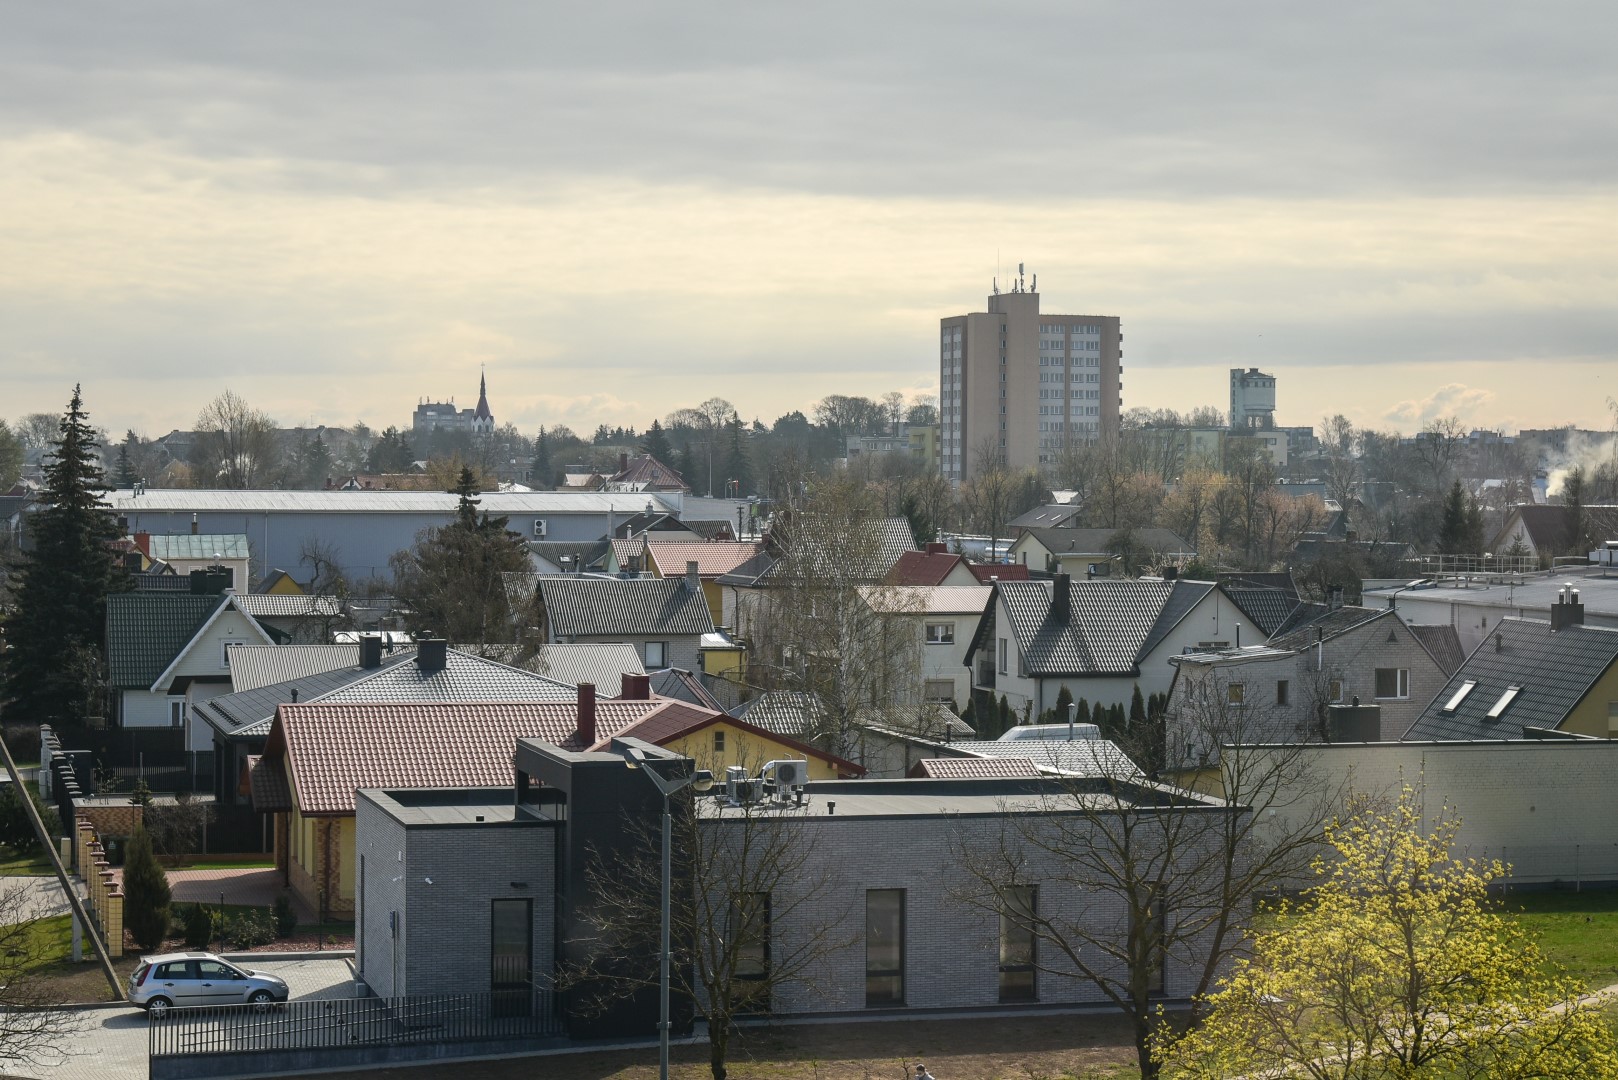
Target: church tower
{"x":482,"y":418}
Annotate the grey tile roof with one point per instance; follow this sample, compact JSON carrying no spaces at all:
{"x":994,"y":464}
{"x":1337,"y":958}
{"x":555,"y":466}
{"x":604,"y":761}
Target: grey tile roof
{"x":785,"y":712}
{"x":1268,"y":599}
{"x":603,"y":666}
{"x":1076,"y":757}
{"x":1045,"y":517}
{"x":146,"y":630}
{"x":247,"y":714}
{"x":751,"y":572}
{"x":1317,"y":623}
{"x":1553,"y":670}
{"x":601,"y":607}
{"x":204,"y":546}
{"x":812,"y":550}
{"x":464,"y":678}
{"x":1094,"y":541}
{"x":283,"y":606}
{"x":1108,"y":624}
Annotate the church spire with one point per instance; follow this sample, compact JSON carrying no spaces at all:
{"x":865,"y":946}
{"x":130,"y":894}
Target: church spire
{"x":483,"y":418}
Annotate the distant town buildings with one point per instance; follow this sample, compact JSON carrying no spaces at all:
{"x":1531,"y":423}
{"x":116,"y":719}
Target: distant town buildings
{"x":431,"y":416}
{"x":1252,"y":400}
{"x":1022,"y":385}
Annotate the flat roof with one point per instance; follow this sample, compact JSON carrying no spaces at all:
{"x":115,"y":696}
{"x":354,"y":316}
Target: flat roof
{"x":211,"y":500}
{"x":429,"y":807}
{"x":913,"y":797}
{"x":1598,"y":591}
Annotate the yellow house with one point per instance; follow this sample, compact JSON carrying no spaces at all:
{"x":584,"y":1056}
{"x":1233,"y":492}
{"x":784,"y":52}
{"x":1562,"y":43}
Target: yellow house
{"x":713,"y":559}
{"x":716,"y":741}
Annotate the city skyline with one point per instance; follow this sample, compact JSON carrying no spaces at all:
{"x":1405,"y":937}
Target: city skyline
{"x":1401,"y":214}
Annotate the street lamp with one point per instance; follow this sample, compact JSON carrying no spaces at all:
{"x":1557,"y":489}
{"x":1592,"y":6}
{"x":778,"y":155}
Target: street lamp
{"x":700,"y":780}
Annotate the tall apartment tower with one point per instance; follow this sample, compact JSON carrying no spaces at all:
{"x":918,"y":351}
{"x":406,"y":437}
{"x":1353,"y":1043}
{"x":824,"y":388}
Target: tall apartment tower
{"x":1252,"y":400}
{"x":1022,"y":384}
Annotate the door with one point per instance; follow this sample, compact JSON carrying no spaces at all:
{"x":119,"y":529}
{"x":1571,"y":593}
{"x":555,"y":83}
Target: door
{"x":179,"y":982}
{"x":220,"y":984}
{"x":511,"y":950}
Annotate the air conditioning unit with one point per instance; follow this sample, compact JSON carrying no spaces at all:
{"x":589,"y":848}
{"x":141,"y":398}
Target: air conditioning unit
{"x":539,"y":528}
{"x":789,"y":775}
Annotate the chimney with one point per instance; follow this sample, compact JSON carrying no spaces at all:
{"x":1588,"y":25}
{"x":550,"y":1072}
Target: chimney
{"x":1171,"y":573}
{"x":294,"y":695}
{"x":1567,"y":611}
{"x":623,"y":461}
{"x":1061,"y":598}
{"x":693,"y":580}
{"x":587,"y":714}
{"x":1334,"y":597}
{"x":193,"y":524}
{"x":937,"y":549}
{"x":431,"y":654}
{"x":143,"y":540}
{"x":370,"y":652}
{"x":635,"y":687}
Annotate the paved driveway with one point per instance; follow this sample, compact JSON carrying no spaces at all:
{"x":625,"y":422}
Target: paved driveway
{"x":110,"y":1044}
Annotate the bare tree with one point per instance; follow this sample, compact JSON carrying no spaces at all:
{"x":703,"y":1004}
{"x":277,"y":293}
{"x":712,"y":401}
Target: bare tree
{"x":1337,"y":440}
{"x":750,"y":921}
{"x":177,"y":828}
{"x":235,"y":444}
{"x":328,"y":587}
{"x":32,"y":1025}
{"x":38,"y":431}
{"x":708,"y":421}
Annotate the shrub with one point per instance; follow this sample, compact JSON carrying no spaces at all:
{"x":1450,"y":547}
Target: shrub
{"x":146,"y":893}
{"x":141,"y":795}
{"x":199,"y":927}
{"x":23,"y":739}
{"x":16,"y":830}
{"x":286,"y":919}
{"x":249,"y":929}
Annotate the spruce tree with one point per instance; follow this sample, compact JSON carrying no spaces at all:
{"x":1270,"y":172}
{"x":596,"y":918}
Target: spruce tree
{"x":1452,"y":527}
{"x":657,"y":444}
{"x":53,"y":667}
{"x":738,"y":461}
{"x":542,"y":476}
{"x":1137,"y":709}
{"x":146,"y":893}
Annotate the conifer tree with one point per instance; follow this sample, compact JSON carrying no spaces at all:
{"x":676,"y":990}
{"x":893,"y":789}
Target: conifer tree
{"x":55,"y":627}
{"x":657,"y":444}
{"x":146,"y":893}
{"x":1137,"y":708}
{"x":543,"y":474}
{"x":738,"y":461}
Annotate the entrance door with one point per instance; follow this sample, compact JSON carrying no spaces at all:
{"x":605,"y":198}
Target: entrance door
{"x":511,"y":952}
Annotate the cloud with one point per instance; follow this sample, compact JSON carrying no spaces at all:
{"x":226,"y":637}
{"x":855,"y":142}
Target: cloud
{"x":1451,"y":399}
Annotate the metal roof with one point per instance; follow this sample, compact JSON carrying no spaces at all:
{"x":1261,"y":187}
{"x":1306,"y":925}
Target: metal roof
{"x":284,"y":606}
{"x":604,"y":666}
{"x":247,"y":714}
{"x":202,"y":546}
{"x":975,"y":767}
{"x":1314,"y":622}
{"x":1110,"y":624}
{"x":1069,"y":757}
{"x":1552,"y":670}
{"x":713,"y":557}
{"x":146,"y":630}
{"x":601,"y":607}
{"x":1442,"y":642}
{"x":926,"y":599}
{"x":1095,"y":541}
{"x":496,"y":503}
{"x":253,"y":666}
{"x":464,"y":677}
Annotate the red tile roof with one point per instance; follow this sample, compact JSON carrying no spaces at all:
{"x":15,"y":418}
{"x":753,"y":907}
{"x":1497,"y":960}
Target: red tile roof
{"x":922,"y":568}
{"x":713,"y":557}
{"x":1004,"y":571}
{"x":974,"y":768}
{"x":331,"y":751}
{"x":681,"y":719}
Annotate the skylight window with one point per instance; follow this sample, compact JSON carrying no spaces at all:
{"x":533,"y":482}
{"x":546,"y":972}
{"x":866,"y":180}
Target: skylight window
{"x":1505,"y":702}
{"x":1460,"y":695}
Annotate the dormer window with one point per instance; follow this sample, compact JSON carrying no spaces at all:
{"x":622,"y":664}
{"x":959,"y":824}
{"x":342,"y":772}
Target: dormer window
{"x":1460,"y":695}
{"x":1504,"y":703}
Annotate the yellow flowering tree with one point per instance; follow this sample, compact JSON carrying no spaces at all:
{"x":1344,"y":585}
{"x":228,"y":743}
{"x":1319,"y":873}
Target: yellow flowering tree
{"x":1395,"y":965}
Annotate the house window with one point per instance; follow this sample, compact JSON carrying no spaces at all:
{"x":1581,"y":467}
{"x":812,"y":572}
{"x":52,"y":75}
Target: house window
{"x":1392,"y":682}
{"x":224,"y":651}
{"x":750,"y":929}
{"x":176,"y":712}
{"x":884,"y":947}
{"x":1002,"y":666}
{"x":1334,"y":690}
{"x":1017,"y":943}
{"x":939,"y":690}
{"x":719,"y":742}
{"x":1459,"y":696}
{"x":1235,"y":693}
{"x":654,"y":654}
{"x":942,"y":633}
{"x":1282,"y":691}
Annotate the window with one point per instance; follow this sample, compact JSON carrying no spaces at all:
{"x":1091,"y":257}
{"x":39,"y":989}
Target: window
{"x":719,"y":742}
{"x":939,"y":690}
{"x":1504,"y":703}
{"x":654,"y":653}
{"x":750,"y":929}
{"x":1017,"y":943}
{"x":224,"y":651}
{"x":1334,"y":690}
{"x":1002,"y":658}
{"x":176,"y":712}
{"x":1459,"y":696}
{"x":1281,"y":691}
{"x":1235,"y":693}
{"x":1392,"y":682}
{"x":941,"y":633}
{"x":884,"y":947}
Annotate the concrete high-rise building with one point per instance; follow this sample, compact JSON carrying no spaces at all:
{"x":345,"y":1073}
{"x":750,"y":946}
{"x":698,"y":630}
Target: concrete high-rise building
{"x":1023,"y":385}
{"x":1252,"y":400}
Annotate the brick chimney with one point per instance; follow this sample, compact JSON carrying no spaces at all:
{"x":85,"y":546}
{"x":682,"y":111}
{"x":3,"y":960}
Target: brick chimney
{"x":636,"y":687}
{"x":623,"y":462}
{"x":937,"y":549}
{"x":693,"y":580}
{"x":587,"y":714}
{"x":1061,"y":599}
{"x":1568,"y":610}
{"x":1334,"y":597}
{"x":143,"y":540}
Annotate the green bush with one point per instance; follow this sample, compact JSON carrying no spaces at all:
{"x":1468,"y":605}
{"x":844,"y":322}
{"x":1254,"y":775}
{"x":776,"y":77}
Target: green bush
{"x":286,"y":919}
{"x":198,"y":930}
{"x":16,"y":830}
{"x":146,"y":893}
{"x":250,"y":929}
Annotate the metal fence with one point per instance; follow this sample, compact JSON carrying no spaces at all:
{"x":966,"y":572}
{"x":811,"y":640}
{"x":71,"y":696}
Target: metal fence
{"x":352,"y":1022}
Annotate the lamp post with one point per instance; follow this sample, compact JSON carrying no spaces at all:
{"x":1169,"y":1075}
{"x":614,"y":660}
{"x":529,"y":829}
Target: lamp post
{"x":701,"y":780}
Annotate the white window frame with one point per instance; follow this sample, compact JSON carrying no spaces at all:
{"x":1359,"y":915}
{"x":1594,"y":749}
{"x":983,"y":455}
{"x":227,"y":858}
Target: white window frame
{"x":224,"y":651}
{"x":662,"y":654}
{"x":1401,"y":687}
{"x":177,"y":708}
{"x":946,"y":635}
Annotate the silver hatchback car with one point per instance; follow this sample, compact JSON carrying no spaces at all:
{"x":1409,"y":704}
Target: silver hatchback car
{"x":183,"y":980}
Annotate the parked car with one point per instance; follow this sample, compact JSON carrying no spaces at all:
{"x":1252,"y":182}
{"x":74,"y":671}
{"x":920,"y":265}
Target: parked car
{"x":187,"y":979}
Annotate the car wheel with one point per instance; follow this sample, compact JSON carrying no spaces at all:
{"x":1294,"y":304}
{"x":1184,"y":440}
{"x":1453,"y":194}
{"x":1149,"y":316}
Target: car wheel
{"x":261,"y":1000}
{"x":158,"y":1007}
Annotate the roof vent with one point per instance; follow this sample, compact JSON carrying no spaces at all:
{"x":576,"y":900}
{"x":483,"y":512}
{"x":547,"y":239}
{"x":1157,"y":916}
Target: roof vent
{"x":1567,"y":611}
{"x":432,"y":654}
{"x":370,"y":651}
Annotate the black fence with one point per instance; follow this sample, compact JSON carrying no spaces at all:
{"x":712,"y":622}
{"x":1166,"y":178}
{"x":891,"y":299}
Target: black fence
{"x":346,"y":1023}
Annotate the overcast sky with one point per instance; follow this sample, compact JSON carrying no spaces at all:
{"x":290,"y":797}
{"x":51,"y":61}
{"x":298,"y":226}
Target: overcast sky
{"x":1402,"y":210}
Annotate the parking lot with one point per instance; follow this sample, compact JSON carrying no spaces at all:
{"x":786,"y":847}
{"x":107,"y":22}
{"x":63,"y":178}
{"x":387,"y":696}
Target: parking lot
{"x":110,"y":1043}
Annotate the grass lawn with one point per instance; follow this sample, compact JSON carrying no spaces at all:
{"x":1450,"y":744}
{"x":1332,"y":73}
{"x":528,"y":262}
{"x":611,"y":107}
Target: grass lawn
{"x":1578,"y":931}
{"x":13,"y":865}
{"x":204,"y":864}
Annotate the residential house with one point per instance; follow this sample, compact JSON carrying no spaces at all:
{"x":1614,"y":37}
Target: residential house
{"x":664,"y":618}
{"x":1547,"y":532}
{"x":185,"y":552}
{"x":279,"y":583}
{"x":941,"y":619}
{"x":713,"y":559}
{"x":934,"y":565}
{"x":1475,"y":606}
{"x":1100,"y":639}
{"x":645,"y":473}
{"x":1051,"y":516}
{"x":1098,"y":552}
{"x":603,"y":666}
{"x":296,"y":618}
{"x":1268,"y":599}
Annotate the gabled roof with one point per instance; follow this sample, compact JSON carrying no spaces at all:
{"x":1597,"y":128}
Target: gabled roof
{"x":1050,"y":516}
{"x":1550,"y":528}
{"x":1441,"y":642}
{"x":330,"y":751}
{"x":603,"y":607}
{"x":1322,"y":624}
{"x":604,"y":666}
{"x":1095,"y":541}
{"x":246,"y":714}
{"x":783,"y":712}
{"x":191,"y":547}
{"x":1553,"y":670}
{"x":285,"y":606}
{"x":682,"y":685}
{"x":812,"y":551}
{"x":1069,"y":757}
{"x":646,"y":473}
{"x":464,"y":677}
{"x":751,"y":573}
{"x":275,"y":578}
{"x":253,"y":666}
{"x":926,"y":599}
{"x":680,"y":720}
{"x":1111,"y":626}
{"x":147,"y":630}
{"x":227,"y":602}
{"x":713,"y":557}
{"x":922,"y":568}
{"x":984,"y":572}
{"x":1268,"y":599}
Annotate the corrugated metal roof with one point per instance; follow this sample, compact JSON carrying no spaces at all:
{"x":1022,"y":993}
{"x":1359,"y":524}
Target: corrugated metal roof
{"x":247,"y":714}
{"x":1075,"y":757}
{"x":146,"y":630}
{"x":333,"y":750}
{"x":968,"y":767}
{"x":1443,"y":643}
{"x":202,"y":546}
{"x":282,"y":606}
{"x":927,"y":599}
{"x":1552,"y":670}
{"x":599,"y":607}
{"x":497,"y":503}
{"x":253,"y":666}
